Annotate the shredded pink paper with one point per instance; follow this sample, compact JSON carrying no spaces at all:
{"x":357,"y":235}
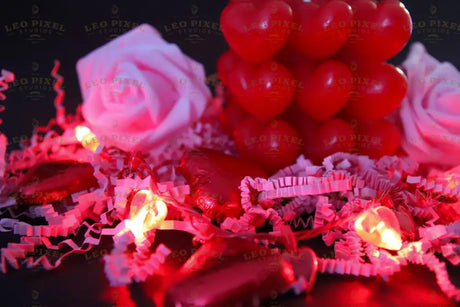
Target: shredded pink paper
{"x":364,"y":181}
{"x":60,"y":110}
{"x":3,"y":145}
{"x":5,"y":78}
{"x":451,"y":252}
{"x":309,"y":189}
{"x":323,"y":199}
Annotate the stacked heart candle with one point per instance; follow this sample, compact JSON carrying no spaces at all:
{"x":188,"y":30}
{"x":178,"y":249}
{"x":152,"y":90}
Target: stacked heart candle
{"x":311,"y":78}
{"x":137,"y":160}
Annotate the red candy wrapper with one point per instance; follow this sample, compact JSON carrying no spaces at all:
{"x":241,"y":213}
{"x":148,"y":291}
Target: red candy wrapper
{"x":214,"y":179}
{"x":305,"y":266}
{"x":227,"y":272}
{"x":54,"y":180}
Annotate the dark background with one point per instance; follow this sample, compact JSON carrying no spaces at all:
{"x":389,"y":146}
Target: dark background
{"x":81,"y":26}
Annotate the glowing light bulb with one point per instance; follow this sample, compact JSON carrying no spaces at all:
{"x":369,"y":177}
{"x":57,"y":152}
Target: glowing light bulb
{"x":87,"y":138}
{"x":147,"y":212}
{"x":380,"y":226}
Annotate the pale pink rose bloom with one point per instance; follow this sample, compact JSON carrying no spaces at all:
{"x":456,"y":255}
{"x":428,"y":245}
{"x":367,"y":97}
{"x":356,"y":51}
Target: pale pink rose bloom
{"x":140,"y":91}
{"x":430,"y":112}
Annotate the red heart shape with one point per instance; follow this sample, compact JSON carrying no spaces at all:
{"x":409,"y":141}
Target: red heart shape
{"x":232,"y":115}
{"x":380,"y":29}
{"x":225,"y":64}
{"x":377,"y":91}
{"x":324,"y":139}
{"x":305,"y":264}
{"x":256,"y":30}
{"x":321,"y":30}
{"x":377,"y":138}
{"x":214,"y":178}
{"x":264,"y":90}
{"x":323,"y":91}
{"x":273,"y":145}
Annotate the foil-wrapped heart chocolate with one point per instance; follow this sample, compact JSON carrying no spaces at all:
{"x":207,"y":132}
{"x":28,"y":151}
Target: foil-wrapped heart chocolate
{"x":54,"y":180}
{"x":305,"y":265}
{"x":228,"y":272}
{"x":214,"y":178}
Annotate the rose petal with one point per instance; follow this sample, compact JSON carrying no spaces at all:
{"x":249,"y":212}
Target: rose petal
{"x":430,"y":112}
{"x":140,"y":91}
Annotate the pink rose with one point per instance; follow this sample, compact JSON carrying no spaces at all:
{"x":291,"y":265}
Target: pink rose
{"x":430,"y":112}
{"x":139,"y":91}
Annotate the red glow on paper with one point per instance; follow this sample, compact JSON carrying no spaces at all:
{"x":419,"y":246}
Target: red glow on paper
{"x":118,"y":296}
{"x":154,"y":287}
{"x":351,"y":293}
{"x":415,"y":285}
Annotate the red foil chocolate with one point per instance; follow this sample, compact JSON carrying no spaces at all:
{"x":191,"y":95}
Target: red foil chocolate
{"x":54,"y":180}
{"x":229,"y":272}
{"x":214,"y":179}
{"x":304,"y":263}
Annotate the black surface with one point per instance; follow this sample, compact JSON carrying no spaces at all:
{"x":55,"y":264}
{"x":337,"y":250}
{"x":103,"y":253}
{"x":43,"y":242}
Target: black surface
{"x":80,"y":280}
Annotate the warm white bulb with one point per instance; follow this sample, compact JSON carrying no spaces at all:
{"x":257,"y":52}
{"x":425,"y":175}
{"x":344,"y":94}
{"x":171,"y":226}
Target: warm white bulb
{"x":87,"y":138}
{"x":147,"y":212}
{"x":391,"y":239}
{"x":379,"y":226}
